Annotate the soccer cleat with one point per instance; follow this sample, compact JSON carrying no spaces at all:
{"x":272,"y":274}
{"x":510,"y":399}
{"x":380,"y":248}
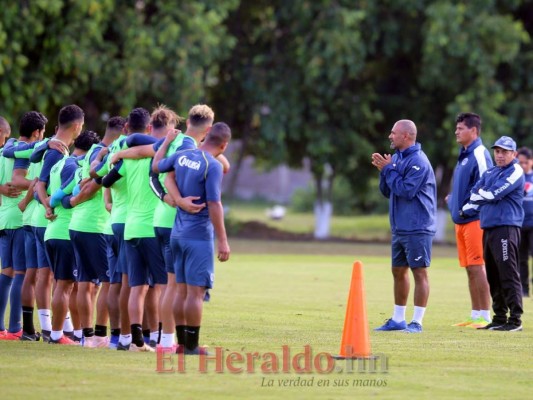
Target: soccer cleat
{"x":413,"y":327}
{"x":391,"y":325}
{"x":12,"y":336}
{"x":45,"y":335}
{"x":95,"y":342}
{"x":3,"y":334}
{"x":198,"y":351}
{"x":113,"y":342}
{"x":70,"y":334}
{"x":469,"y":321}
{"x":165,"y":350}
{"x":123,"y":347}
{"x":143,"y":348}
{"x":508,"y":328}
{"x":63,"y":340}
{"x":492,"y":326}
{"x":152,"y":344}
{"x":33,"y":337}
{"x":478,"y":323}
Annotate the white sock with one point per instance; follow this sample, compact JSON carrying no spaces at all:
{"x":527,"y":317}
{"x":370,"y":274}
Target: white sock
{"x":474,"y":314}
{"x":78,"y":333}
{"x":56,"y":335}
{"x":399,"y":313}
{"x":67,"y":325}
{"x":167,"y":340}
{"x":485,"y":314}
{"x":124,"y":340}
{"x":45,"y":320}
{"x":154,"y":336}
{"x":418,"y":314}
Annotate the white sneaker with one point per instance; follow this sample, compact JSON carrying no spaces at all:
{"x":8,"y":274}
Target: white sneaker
{"x":95,"y":342}
{"x":143,"y":348}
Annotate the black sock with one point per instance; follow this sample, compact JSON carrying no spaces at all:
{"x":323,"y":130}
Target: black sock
{"x":192,"y":336}
{"x":88,"y":332}
{"x":137,"y":335}
{"x":180,"y":334}
{"x":115,"y":332}
{"x":100,"y":330}
{"x":146,"y":334}
{"x":159,"y":331}
{"x":27,"y":320}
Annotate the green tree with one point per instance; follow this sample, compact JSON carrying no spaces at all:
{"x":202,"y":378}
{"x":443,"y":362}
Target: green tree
{"x":305,"y":91}
{"x":328,"y":79}
{"x":109,"y":56}
{"x":46,"y":56}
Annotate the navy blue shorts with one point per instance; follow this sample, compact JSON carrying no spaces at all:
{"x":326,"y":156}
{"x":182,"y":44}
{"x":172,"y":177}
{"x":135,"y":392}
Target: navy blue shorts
{"x":145,"y":262}
{"x":12,"y":249}
{"x":62,"y":260}
{"x":112,"y":258}
{"x":42,"y":257}
{"x":30,"y":247}
{"x":163,"y":235}
{"x":90,"y":251}
{"x":194,"y":262}
{"x":118,"y":232}
{"x":411,"y":250}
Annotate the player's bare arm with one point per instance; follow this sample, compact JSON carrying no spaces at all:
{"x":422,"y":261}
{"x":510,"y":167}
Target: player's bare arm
{"x":28,"y":197}
{"x":185,"y":203}
{"x":133,"y":153}
{"x":162,"y":151}
{"x":216,"y":214}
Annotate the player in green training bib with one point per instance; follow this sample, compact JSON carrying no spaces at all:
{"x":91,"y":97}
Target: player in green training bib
{"x":63,"y":177}
{"x":32,"y":126}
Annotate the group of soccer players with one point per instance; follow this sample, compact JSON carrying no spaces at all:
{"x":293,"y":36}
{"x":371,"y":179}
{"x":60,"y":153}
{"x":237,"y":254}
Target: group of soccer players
{"x":118,"y":231}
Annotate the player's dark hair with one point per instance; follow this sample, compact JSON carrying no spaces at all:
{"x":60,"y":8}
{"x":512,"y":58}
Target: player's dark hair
{"x":31,"y":121}
{"x":86,"y":140}
{"x":70,"y":114}
{"x":138,"y":120}
{"x":219,"y":134}
{"x":526,"y":152}
{"x":116,"y":123}
{"x":471,"y":120}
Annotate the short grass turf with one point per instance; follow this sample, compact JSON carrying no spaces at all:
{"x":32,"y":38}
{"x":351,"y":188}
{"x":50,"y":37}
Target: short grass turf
{"x":264,"y":301}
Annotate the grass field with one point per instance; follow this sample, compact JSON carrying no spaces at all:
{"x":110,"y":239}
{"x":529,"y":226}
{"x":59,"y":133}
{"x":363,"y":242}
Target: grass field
{"x":265,"y":298}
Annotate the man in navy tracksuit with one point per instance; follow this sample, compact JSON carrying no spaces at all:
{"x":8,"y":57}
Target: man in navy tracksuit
{"x":407,"y":179}
{"x":474,"y":159}
{"x":498,"y":197}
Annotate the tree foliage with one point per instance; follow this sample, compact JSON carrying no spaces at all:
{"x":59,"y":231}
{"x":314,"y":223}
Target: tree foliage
{"x":109,"y":55}
{"x":323,"y":79}
{"x":331,"y":78}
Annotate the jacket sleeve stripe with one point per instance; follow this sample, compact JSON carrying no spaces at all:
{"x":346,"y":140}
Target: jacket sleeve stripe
{"x":517,"y":173}
{"x":479,"y":154}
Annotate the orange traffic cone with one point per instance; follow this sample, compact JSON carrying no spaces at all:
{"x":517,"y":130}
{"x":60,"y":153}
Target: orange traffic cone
{"x":355,"y":336}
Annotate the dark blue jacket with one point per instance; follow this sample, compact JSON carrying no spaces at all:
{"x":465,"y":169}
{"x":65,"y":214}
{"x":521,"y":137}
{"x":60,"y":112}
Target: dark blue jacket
{"x":409,"y":183}
{"x":471,"y":164}
{"x":498,"y":196}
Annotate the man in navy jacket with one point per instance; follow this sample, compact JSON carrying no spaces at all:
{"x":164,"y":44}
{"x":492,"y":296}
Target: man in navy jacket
{"x":474,"y":159}
{"x":408,"y":180}
{"x":498,"y":197}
